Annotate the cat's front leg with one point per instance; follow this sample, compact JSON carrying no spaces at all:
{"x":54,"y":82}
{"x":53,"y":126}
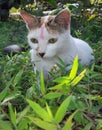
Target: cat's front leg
{"x":33,"y":60}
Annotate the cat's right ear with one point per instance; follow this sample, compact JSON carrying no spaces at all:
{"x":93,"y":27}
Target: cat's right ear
{"x":30,"y":20}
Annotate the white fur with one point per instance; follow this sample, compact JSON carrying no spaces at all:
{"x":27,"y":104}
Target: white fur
{"x":67,"y":47}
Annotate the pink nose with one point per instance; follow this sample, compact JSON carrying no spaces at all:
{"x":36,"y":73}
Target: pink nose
{"x":41,"y":54}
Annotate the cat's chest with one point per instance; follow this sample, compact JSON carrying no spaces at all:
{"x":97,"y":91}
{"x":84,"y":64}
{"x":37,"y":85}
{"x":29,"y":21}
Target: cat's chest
{"x":45,"y":64}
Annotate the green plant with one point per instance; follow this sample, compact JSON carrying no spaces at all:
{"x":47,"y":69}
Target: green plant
{"x":66,"y":83}
{"x":44,"y":117}
{"x":19,"y":87}
{"x":46,"y":120}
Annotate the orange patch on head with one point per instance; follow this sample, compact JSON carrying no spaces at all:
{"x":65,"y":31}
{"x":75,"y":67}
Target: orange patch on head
{"x":41,"y":21}
{"x":50,"y":25}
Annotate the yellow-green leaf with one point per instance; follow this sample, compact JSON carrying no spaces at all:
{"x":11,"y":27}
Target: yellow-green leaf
{"x":42,"y":84}
{"x":52,"y":95}
{"x":49,"y":111}
{"x":39,"y":110}
{"x":43,"y":124}
{"x":74,"y":69}
{"x":62,"y":109}
{"x":78,"y":78}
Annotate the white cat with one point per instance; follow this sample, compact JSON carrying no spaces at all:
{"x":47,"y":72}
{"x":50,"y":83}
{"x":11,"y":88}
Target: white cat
{"x":49,"y":38}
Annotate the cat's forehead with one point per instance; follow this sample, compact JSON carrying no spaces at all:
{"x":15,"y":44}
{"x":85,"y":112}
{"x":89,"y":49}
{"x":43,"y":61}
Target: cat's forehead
{"x":43,"y":31}
{"x":46,"y":22}
{"x":45,"y":19}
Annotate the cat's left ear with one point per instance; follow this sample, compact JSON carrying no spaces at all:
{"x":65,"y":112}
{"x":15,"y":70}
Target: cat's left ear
{"x":30,"y":20}
{"x":63,"y":18}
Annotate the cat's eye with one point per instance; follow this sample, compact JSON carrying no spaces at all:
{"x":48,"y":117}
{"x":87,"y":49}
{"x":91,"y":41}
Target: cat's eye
{"x":34,"y":40}
{"x":52,"y":40}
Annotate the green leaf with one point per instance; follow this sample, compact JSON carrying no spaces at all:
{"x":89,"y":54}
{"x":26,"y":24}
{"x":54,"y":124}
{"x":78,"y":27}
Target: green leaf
{"x":18,"y":77}
{"x":68,"y":124}
{"x":42,"y":124}
{"x":58,"y":87}
{"x":74,"y":69}
{"x":99,"y":124}
{"x":62,"y":109}
{"x":12,"y":115}
{"x":88,"y":126}
{"x":62,"y":79}
{"x":39,"y":110}
{"x":42,"y":84}
{"x":49,"y":111}
{"x":23,"y":124}
{"x":4,"y":92}
{"x":22,"y":114}
{"x":5,"y":125}
{"x":52,"y":95}
{"x":92,"y":17}
{"x":78,"y":78}
{"x":9,"y":97}
{"x":52,"y":2}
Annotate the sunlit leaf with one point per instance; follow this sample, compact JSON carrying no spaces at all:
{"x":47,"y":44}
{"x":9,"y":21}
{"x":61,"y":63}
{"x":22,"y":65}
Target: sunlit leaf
{"x":62,"y":109}
{"x":43,"y":124}
{"x":92,"y":17}
{"x":74,"y":69}
{"x":78,"y":78}
{"x":52,"y":95}
{"x":39,"y":110}
{"x":42,"y":84}
{"x":62,"y":79}
{"x":58,"y":87}
{"x":49,"y":111}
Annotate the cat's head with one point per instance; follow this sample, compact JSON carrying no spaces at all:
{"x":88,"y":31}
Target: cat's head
{"x":47,"y":34}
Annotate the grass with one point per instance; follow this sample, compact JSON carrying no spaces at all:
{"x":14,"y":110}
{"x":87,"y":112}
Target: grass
{"x":23,"y":100}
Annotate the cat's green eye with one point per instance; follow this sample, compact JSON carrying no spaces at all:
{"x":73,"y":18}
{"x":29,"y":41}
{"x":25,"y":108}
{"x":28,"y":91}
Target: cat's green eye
{"x":52,"y":40}
{"x":34,"y":40}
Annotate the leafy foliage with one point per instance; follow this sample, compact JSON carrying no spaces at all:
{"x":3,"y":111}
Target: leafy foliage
{"x":73,"y":100}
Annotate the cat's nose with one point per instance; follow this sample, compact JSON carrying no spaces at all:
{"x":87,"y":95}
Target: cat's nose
{"x":41,"y":54}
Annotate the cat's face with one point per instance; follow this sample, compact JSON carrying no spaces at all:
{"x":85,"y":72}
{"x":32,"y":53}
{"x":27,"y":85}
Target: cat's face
{"x":47,"y":34}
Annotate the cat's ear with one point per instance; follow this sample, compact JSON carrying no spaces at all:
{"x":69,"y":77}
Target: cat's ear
{"x":63,"y":18}
{"x":30,"y":20}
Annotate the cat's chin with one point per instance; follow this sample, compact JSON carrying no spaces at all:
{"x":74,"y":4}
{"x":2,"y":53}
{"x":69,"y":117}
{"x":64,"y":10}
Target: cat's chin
{"x":45,"y":57}
{"x":49,"y":56}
